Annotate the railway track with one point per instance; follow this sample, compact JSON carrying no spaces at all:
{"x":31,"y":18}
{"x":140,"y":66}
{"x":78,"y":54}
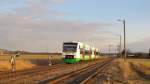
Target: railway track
{"x":14,"y":76}
{"x":48,"y":74}
{"x":6,"y":73}
{"x":100,"y":71}
{"x":80,"y":76}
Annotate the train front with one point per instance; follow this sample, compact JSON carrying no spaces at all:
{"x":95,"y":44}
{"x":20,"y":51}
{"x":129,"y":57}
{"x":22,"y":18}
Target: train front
{"x":70,"y":52}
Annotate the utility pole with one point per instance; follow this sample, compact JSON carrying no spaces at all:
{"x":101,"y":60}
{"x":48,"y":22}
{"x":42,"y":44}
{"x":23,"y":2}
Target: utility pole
{"x":125,"y":54}
{"x":124,"y":28}
{"x":120,"y":47}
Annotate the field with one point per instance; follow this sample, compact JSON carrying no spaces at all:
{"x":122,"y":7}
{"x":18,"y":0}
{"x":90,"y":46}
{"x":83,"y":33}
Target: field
{"x":30,"y":57}
{"x":26,"y":61}
{"x":142,"y":66}
{"x":145,"y":62}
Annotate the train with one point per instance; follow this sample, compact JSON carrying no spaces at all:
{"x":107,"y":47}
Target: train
{"x":77,"y":51}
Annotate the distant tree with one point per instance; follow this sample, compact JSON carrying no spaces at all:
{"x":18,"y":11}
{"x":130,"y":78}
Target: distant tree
{"x":138,"y":54}
{"x":128,"y":52}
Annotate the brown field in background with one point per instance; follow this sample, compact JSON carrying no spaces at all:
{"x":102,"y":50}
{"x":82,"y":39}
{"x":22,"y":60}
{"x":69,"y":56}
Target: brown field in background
{"x":30,"y":56}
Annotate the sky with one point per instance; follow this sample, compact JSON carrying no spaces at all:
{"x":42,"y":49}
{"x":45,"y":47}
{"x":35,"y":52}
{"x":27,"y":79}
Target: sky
{"x":43,"y":25}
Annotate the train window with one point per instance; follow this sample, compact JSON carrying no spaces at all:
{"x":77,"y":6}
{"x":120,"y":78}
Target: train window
{"x":90,"y":52}
{"x":87,"y":52}
{"x":97,"y":53}
{"x":81,"y":51}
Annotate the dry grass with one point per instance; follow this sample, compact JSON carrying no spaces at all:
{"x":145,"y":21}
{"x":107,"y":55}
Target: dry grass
{"x":142,"y":64}
{"x":145,"y":62}
{"x":125,"y":68}
{"x":29,"y":57}
{"x":146,"y":71}
{"x":6,"y":66}
{"x":24,"y":61}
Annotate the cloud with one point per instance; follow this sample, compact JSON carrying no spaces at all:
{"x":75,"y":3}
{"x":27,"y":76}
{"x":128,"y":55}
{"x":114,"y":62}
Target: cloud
{"x":21,"y":32}
{"x":37,"y":26}
{"x":58,"y":1}
{"x":40,"y":9}
{"x":33,"y":8}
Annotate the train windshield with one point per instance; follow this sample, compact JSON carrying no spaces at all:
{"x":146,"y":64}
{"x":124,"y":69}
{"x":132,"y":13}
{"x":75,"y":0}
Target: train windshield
{"x":67,"y":47}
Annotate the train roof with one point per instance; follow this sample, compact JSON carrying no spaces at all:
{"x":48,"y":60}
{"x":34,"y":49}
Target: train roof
{"x":83,"y":45}
{"x":71,"y":42}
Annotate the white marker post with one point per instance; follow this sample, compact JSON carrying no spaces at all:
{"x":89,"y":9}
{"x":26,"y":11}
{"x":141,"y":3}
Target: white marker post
{"x":49,"y":59}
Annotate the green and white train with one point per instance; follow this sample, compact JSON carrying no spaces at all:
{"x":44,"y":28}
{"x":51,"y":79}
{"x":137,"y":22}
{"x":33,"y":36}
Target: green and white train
{"x":77,"y":51}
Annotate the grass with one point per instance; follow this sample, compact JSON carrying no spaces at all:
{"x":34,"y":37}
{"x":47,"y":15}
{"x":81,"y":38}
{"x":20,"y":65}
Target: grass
{"x":125,"y":68}
{"x":145,"y":62}
{"x":30,"y":57}
{"x":27,"y":61}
